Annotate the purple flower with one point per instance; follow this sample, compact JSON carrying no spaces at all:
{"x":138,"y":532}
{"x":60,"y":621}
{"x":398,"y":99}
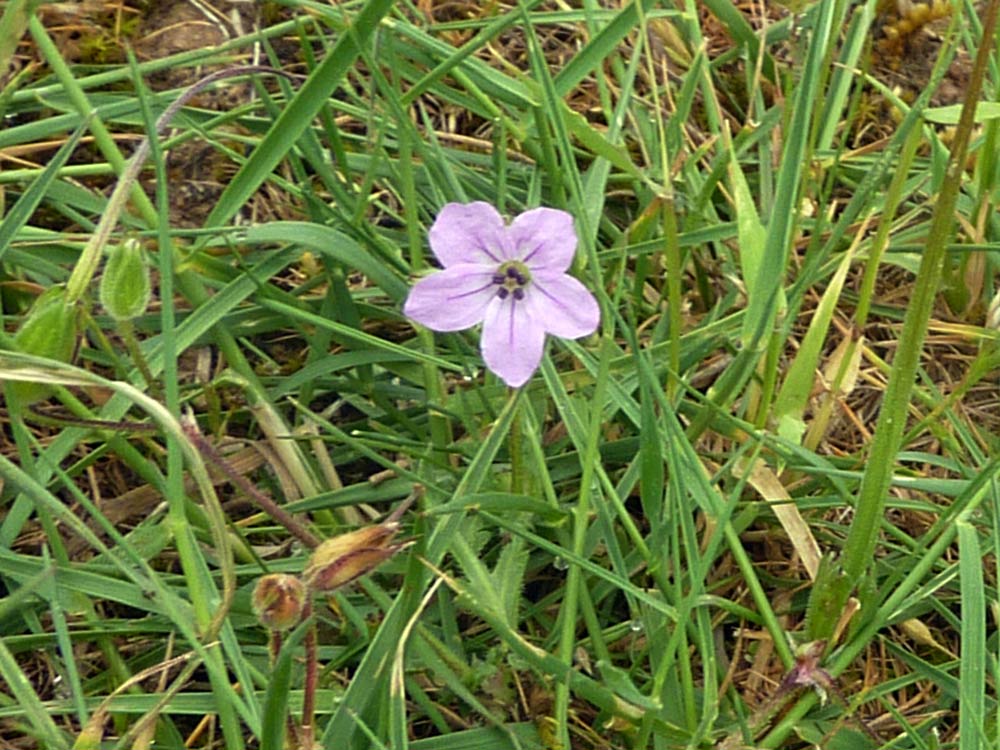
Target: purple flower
{"x":511,"y":277}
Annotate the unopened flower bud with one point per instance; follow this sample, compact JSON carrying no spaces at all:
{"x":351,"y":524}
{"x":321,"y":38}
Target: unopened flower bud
{"x":49,"y":330}
{"x":278,"y":601}
{"x":125,"y":287}
{"x":338,"y":561}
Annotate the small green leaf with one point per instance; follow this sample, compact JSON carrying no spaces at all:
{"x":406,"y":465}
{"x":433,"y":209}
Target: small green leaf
{"x":949,"y":115}
{"x":619,"y":681}
{"x":499,"y":502}
{"x":791,"y":401}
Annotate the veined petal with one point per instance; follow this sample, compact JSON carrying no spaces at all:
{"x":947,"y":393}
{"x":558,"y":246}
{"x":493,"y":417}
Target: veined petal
{"x":563,"y":305}
{"x":543,"y":239}
{"x":512,"y":341}
{"x":468,"y":233}
{"x":452,"y":299}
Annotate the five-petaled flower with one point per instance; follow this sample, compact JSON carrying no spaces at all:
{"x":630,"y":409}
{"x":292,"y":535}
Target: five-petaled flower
{"x":511,"y":277}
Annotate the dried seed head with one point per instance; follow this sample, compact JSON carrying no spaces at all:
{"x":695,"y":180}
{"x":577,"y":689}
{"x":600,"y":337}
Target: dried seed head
{"x":278,"y":601}
{"x":342,"y":559}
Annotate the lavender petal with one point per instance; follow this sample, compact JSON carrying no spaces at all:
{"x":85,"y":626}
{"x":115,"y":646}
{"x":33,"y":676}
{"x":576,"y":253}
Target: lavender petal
{"x":452,"y":299}
{"x":564,"y":305}
{"x":544,"y":239}
{"x":512,"y":341}
{"x":468,"y":233}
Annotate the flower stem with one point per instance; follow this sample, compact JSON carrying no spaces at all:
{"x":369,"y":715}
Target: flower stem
{"x":274,"y":645}
{"x":127,"y":330}
{"x":575,"y":580}
{"x":516,"y":453}
{"x":311,"y":680}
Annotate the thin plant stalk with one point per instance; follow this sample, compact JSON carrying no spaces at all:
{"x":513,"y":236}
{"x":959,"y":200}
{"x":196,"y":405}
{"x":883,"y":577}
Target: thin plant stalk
{"x":311,"y":679}
{"x":575,"y":580}
{"x":127,"y":330}
{"x":517,"y":478}
{"x":262,"y":501}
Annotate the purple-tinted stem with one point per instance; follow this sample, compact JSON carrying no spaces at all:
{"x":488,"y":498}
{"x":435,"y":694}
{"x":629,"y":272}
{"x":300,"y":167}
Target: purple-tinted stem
{"x":275,"y":644}
{"x":262,"y":501}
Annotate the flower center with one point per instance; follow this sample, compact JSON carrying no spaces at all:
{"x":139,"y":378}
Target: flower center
{"x":512,"y":277}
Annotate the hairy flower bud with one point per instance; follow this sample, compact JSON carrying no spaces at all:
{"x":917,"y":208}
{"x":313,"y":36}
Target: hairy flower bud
{"x":340,"y":560}
{"x":49,"y":330}
{"x":125,"y":287}
{"x":278,"y":601}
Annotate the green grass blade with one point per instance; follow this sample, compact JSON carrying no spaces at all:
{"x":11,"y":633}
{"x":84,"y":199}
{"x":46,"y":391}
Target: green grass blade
{"x":299,"y":112}
{"x":972,"y":674}
{"x":333,"y":244}
{"x":31,"y":706}
{"x":19,"y":214}
{"x":274,"y":726}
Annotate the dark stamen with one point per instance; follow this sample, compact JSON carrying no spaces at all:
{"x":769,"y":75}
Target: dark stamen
{"x":513,"y":274}
{"x":519,"y":294}
{"x":498,"y":278}
{"x":503,"y":291}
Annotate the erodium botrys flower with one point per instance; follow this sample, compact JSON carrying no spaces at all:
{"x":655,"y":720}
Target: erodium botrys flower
{"x":511,"y":277}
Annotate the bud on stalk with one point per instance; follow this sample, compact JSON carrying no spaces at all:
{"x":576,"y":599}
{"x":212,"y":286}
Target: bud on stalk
{"x":278,"y":601}
{"x":50,"y":330}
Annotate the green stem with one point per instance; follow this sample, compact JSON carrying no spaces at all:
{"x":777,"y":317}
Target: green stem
{"x":517,"y":479}
{"x":127,"y":330}
{"x":675,"y":294}
{"x":311,"y":680}
{"x":894,"y":196}
{"x":575,"y":580}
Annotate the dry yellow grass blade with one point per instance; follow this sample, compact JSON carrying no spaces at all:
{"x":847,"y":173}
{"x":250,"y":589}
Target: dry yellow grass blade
{"x":840,"y":376}
{"x":762,"y":479}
